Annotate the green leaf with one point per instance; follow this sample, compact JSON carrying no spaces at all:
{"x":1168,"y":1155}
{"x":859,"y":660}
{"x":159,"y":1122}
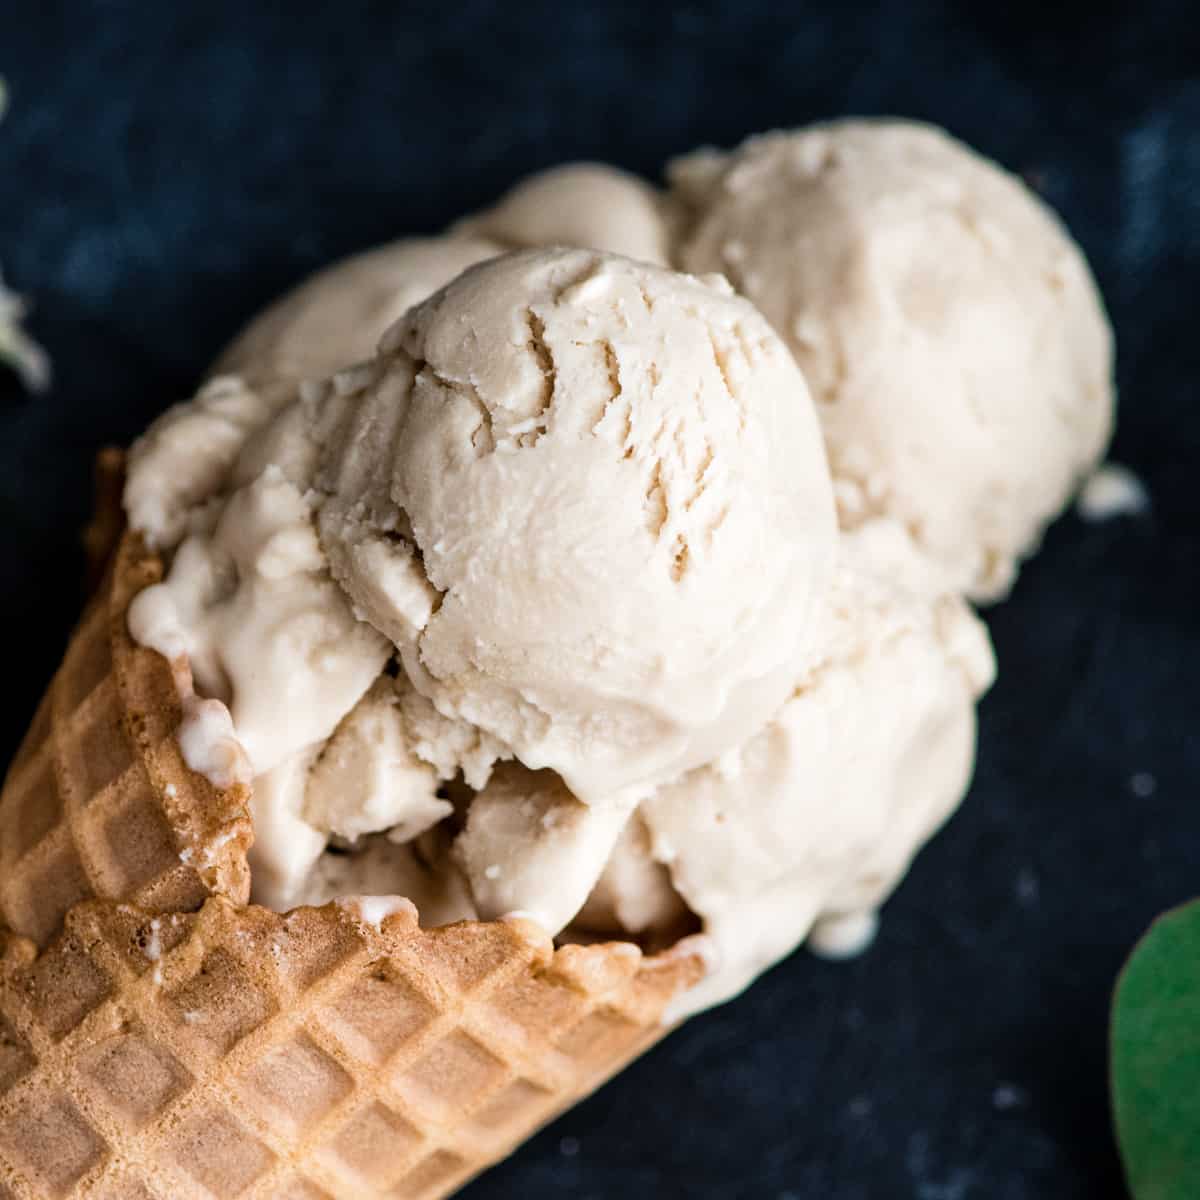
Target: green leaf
{"x":1155,"y":1047}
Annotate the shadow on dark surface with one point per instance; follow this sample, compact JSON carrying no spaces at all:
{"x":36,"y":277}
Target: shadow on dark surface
{"x":169,"y":168}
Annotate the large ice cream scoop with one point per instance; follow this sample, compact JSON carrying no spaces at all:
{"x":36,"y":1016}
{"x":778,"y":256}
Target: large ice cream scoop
{"x":946,"y":322}
{"x":587,"y":501}
{"x":581,"y":502}
{"x":805,"y":830}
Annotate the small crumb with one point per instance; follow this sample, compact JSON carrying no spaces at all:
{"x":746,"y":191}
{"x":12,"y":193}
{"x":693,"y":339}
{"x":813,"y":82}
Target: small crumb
{"x":492,"y":872}
{"x":568,"y":1147}
{"x":1112,"y":491}
{"x":1008,"y":1096}
{"x":1143,"y":784}
{"x":859,"y":1107}
{"x":171,"y":791}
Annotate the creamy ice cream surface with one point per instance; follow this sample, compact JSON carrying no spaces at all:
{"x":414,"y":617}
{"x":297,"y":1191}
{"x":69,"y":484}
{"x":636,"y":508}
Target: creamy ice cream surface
{"x":817,"y":817}
{"x":949,"y":327}
{"x":336,"y":317}
{"x":530,"y":846}
{"x":575,"y":513}
{"x":586,"y":499}
{"x":634,"y":896}
{"x":580,"y":204}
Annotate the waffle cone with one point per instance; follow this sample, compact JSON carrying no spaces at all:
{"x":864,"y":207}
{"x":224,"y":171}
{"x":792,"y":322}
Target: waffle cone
{"x":162,"y":1037}
{"x":98,"y":801}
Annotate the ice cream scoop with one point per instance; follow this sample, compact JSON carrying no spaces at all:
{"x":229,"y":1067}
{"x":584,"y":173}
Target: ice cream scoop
{"x":582,"y":502}
{"x":579,"y":204}
{"x":808,"y":825}
{"x":586,"y":499}
{"x":947,"y":324}
{"x":336,"y":317}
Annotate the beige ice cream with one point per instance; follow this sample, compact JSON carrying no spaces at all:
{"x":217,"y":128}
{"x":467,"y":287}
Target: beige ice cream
{"x":947,"y":324}
{"x":331,"y":320}
{"x":541,"y":609}
{"x":337,"y":317}
{"x":185,"y":457}
{"x":586,"y":499}
{"x":380,"y":868}
{"x":809,"y":825}
{"x":581,"y":502}
{"x":579,"y":204}
{"x":634,"y":896}
{"x":530,"y":846}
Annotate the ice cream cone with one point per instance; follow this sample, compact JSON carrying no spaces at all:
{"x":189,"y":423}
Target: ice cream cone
{"x":162,"y":1037}
{"x":238,"y":1052}
{"x":98,"y":801}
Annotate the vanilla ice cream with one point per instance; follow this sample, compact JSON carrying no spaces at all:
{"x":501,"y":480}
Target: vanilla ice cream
{"x":537,"y":606}
{"x":530,"y":846}
{"x":947,"y":324}
{"x":577,"y":505}
{"x":337,"y":317}
{"x":814,"y":819}
{"x":185,"y":457}
{"x":634,"y":896}
{"x":586,"y":500}
{"x":580,"y":204}
{"x":380,"y":868}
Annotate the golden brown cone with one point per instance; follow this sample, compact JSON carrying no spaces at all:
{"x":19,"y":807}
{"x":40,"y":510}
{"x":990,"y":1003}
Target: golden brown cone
{"x":237,"y":1052}
{"x":103,"y":532}
{"x":161,"y":1037}
{"x":98,"y":801}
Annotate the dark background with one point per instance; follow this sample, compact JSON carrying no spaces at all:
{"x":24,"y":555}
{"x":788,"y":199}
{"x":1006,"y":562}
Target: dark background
{"x":166,"y":168}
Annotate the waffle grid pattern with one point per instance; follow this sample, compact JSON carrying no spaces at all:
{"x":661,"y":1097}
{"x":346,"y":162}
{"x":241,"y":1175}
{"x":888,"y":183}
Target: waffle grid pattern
{"x":98,"y":801}
{"x":238,"y":1053}
{"x":161,"y":1039}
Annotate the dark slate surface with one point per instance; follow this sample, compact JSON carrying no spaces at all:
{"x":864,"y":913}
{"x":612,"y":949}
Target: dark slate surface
{"x":168,"y":167}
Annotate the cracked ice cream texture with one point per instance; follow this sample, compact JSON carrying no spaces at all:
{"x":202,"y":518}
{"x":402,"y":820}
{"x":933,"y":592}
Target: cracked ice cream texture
{"x":574,"y":514}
